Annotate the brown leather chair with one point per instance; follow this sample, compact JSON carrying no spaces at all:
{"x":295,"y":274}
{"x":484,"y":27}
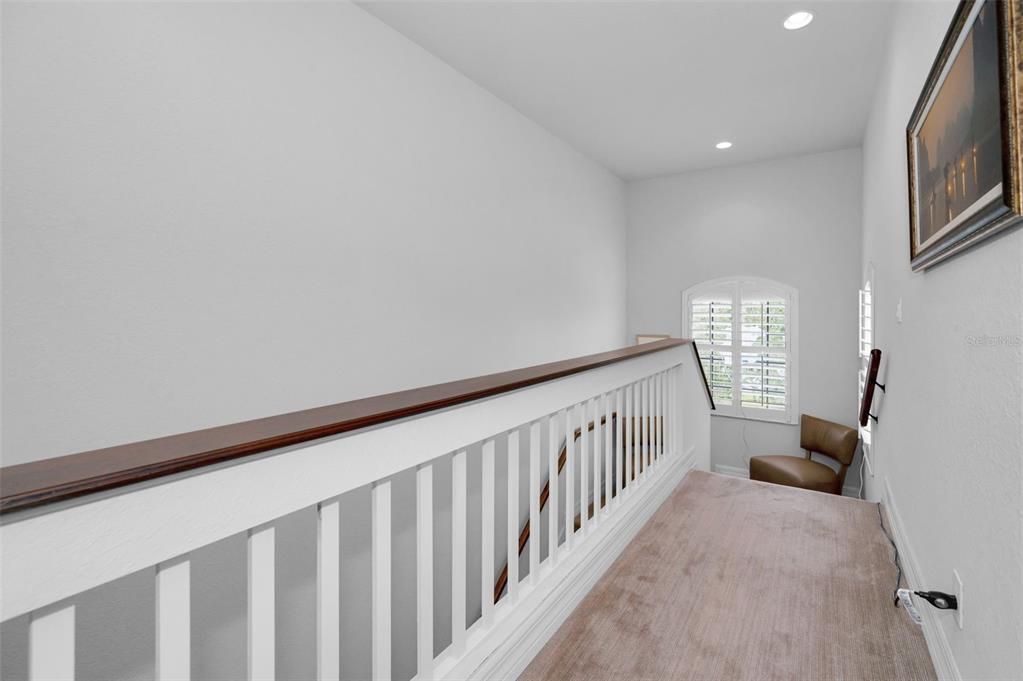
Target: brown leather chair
{"x":833,"y":440}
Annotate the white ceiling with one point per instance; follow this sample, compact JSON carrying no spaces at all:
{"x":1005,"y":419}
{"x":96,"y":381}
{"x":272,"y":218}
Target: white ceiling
{"x":648,"y":88}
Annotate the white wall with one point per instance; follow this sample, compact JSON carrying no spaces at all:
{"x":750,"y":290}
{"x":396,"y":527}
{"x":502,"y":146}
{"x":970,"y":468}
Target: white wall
{"x":949,"y":441}
{"x":795,"y":220}
{"x":220,"y":211}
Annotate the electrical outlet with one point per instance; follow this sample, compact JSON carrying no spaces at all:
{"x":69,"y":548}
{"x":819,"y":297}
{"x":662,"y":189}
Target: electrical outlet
{"x":959,"y":598}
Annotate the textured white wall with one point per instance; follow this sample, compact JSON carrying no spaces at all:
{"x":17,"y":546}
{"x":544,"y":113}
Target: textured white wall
{"x":219,"y":211}
{"x":795,"y":220}
{"x":949,"y":440}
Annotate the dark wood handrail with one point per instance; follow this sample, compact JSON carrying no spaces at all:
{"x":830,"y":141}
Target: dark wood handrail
{"x":873,"y":366}
{"x":65,"y":477}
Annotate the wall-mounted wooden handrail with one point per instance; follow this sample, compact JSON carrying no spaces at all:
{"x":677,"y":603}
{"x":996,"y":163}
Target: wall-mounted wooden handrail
{"x":873,"y":366}
{"x":64,"y":477}
{"x":502,"y":579}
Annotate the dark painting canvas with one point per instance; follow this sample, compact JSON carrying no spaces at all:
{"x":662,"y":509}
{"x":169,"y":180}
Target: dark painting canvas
{"x":960,"y":145}
{"x":962,"y":138}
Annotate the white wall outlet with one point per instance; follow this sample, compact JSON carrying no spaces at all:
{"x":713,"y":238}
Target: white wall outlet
{"x":898,"y":311}
{"x":959,"y":598}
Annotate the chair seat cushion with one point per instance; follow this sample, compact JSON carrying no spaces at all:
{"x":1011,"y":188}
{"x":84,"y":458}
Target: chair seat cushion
{"x":794,"y":471}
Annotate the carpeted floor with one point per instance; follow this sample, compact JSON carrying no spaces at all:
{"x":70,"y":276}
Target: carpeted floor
{"x":733,"y":579}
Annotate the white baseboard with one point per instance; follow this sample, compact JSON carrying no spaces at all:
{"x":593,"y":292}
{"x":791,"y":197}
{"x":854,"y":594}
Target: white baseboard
{"x":937,"y":642}
{"x":736,"y":472}
{"x":542,"y":610}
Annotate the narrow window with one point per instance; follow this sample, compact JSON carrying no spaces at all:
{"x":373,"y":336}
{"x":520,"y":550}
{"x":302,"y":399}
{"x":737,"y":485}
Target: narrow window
{"x":866,"y":343}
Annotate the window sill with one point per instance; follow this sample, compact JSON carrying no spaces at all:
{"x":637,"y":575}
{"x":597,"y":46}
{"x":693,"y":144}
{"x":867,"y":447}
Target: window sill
{"x":753,"y":417}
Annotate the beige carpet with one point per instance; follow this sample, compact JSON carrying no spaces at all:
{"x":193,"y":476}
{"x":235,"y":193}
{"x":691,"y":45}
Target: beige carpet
{"x":733,"y":579}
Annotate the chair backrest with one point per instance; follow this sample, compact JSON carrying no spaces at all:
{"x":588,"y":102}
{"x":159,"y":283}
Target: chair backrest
{"x":827,"y":438}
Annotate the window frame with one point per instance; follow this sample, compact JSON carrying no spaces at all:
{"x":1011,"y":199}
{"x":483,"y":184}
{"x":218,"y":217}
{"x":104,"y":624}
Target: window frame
{"x":735,"y":285}
{"x":864,"y":343}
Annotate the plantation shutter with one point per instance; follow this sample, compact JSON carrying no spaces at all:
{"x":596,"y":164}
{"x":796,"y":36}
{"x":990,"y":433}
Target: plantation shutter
{"x":743,"y":331}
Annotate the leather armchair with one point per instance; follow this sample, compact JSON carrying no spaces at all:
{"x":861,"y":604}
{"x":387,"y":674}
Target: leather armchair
{"x":833,"y":440}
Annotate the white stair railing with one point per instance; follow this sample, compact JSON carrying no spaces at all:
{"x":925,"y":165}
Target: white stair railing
{"x":656,"y":418}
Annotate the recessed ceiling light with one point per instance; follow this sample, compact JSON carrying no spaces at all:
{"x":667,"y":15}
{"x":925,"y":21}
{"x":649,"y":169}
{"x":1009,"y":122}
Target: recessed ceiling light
{"x":798,"y":20}
{"x":723,"y":145}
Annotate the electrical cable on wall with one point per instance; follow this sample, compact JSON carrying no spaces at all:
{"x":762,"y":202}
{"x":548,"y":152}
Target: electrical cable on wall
{"x":898,"y":563}
{"x":863,"y":462}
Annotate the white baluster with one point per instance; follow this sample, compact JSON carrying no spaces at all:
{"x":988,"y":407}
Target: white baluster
{"x":584,"y":467}
{"x":51,"y":645}
{"x":262,"y":616}
{"x":380,"y":549}
{"x":668,"y":386}
{"x":668,"y":375}
{"x":424,"y":571}
{"x":630,"y":432}
{"x":173,"y":621}
{"x":328,"y":591}
{"x":619,"y":445}
{"x":596,"y":460}
{"x":651,"y":442}
{"x":657,"y":415}
{"x":652,"y":387}
{"x":513,"y":516}
{"x":458,"y":536}
{"x":647,"y":432}
{"x":569,"y":478}
{"x":677,"y":429}
{"x":552,"y":489}
{"x":666,"y":411}
{"x":672,"y":441}
{"x":608,"y":440}
{"x":534,"y":501}
{"x":648,"y":401}
{"x":641,"y":440}
{"x":654,"y":436}
{"x":487,"y":534}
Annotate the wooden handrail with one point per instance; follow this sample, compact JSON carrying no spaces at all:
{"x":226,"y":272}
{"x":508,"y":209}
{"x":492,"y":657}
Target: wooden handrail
{"x":502,"y":579}
{"x":64,"y":477}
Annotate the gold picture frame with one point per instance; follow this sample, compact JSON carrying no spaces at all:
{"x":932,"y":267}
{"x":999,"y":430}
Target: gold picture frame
{"x":963,"y":139}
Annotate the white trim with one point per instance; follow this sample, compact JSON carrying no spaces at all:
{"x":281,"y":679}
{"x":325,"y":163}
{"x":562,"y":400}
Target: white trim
{"x":747,"y":416}
{"x":737,"y":472}
{"x":867,"y":434}
{"x":515,"y":641}
{"x":736,"y":285}
{"x":937,"y":642}
{"x":977,"y":206}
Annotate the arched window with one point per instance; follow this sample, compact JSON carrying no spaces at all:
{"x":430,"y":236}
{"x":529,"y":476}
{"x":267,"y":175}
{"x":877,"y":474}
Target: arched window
{"x":745,"y":330}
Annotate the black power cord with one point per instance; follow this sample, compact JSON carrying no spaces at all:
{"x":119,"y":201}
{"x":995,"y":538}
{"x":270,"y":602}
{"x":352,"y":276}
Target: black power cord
{"x":939,"y":599}
{"x":898,"y":564}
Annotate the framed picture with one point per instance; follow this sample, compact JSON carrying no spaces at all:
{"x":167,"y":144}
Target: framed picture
{"x":964,"y":137}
